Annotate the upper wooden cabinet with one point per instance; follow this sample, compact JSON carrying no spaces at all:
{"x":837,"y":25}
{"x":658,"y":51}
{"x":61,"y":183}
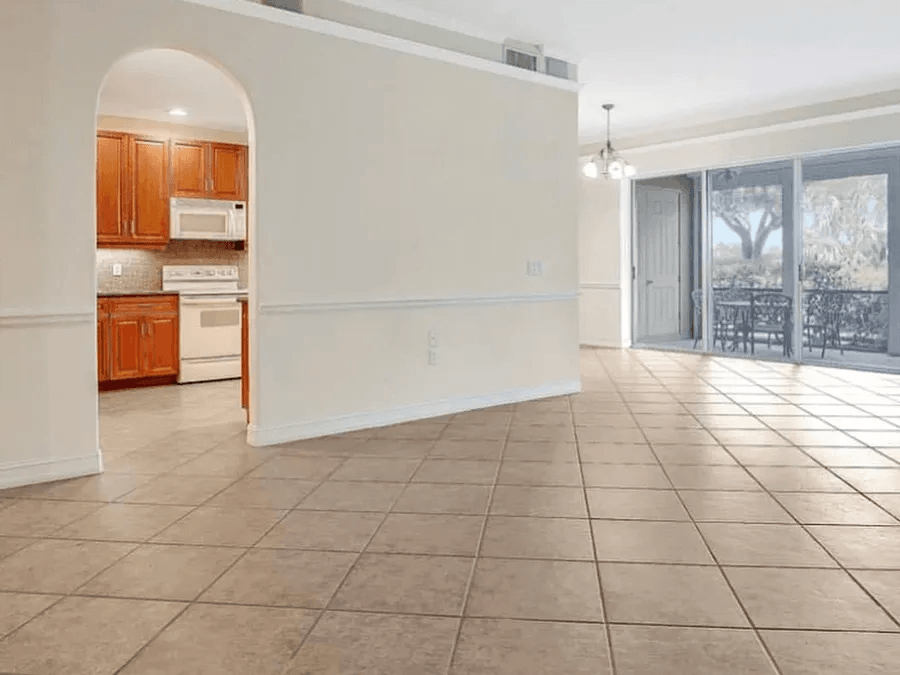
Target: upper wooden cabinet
{"x":132,"y":191}
{"x":209,"y":170}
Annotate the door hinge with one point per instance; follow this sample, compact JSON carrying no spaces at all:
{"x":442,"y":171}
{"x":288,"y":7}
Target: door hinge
{"x":633,"y":273}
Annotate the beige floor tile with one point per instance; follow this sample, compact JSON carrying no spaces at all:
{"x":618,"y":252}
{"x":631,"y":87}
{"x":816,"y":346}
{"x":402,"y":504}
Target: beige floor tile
{"x":636,"y":541}
{"x":352,"y":496}
{"x":850,"y":457}
{"x":475,"y":432}
{"x":104,"y":487}
{"x":685,"y":421}
{"x":798,"y":479}
{"x":542,"y":433}
{"x":808,"y":653}
{"x":542,"y":502}
{"x":124,"y":522}
{"x":889,"y":502}
{"x":624,"y":476}
{"x":435,"y":498}
{"x":411,"y":431}
{"x":806,"y":599}
{"x":409,"y":584}
{"x":34,"y":518}
{"x":376,"y":644}
{"x":513,"y":647}
{"x":223,"y":463}
{"x":834,"y":509}
{"x":9,"y":545}
{"x":460,"y":449}
{"x":658,"y":650}
{"x":398,"y":448}
{"x":757,"y":544}
{"x":323,"y":530}
{"x":669,"y":594}
{"x":551,"y":538}
{"x":300,"y":468}
{"x":17,"y":608}
{"x":861,"y":547}
{"x":535,"y":589}
{"x":884,"y":585}
{"x":149,"y":462}
{"x":282,"y":578}
{"x":879,"y":439}
{"x":85,"y":636}
{"x":872,"y":480}
{"x":831,"y":437}
{"x":616,"y":453}
{"x":683,"y":436}
{"x":178,"y":490}
{"x":434,"y":534}
{"x":693,"y":454}
{"x":57,"y":565}
{"x":624,"y":504}
{"x":561,"y":474}
{"x":376,"y":469}
{"x":226,"y":640}
{"x":265,"y":493}
{"x":468,"y":472}
{"x":770,"y":455}
{"x":754,"y":437}
{"x":711,"y":477}
{"x":541,"y":452}
{"x":740,"y":507}
{"x":596,"y":434}
{"x":163,"y":572}
{"x":217,"y":526}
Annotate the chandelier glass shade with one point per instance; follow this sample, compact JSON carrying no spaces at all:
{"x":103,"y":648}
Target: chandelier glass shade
{"x":608,"y":163}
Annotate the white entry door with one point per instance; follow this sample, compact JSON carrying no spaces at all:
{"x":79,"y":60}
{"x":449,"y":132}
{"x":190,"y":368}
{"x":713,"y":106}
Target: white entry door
{"x":657,"y":283}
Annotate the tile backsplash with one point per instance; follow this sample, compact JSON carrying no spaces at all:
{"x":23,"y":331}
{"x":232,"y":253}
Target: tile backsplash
{"x":142,"y":270}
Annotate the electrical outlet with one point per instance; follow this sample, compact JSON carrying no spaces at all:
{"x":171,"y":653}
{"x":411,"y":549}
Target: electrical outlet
{"x":534,"y":268}
{"x":432,"y":357}
{"x":117,"y":269}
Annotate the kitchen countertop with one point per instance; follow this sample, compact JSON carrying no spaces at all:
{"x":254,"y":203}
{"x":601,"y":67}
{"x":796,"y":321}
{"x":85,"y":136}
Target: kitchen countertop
{"x":114,"y":294}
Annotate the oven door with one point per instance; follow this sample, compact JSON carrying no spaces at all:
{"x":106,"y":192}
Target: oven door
{"x":210,"y":327}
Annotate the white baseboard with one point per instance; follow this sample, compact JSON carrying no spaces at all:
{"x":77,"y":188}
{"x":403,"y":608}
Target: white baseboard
{"x":29,"y":473}
{"x":601,"y":343}
{"x":260,"y":436}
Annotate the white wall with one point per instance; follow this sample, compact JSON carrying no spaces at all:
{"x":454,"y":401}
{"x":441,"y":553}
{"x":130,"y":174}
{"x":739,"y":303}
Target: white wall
{"x":600,"y":232}
{"x":394,"y":194}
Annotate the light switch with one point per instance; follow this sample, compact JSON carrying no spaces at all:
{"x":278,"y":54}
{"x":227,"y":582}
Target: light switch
{"x":432,"y":339}
{"x":432,"y":357}
{"x":117,"y":269}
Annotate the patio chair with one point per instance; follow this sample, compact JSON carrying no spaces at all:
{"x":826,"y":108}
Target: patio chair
{"x":731,"y":308}
{"x":697,"y":302}
{"x":823,"y":316}
{"x":772,"y":317}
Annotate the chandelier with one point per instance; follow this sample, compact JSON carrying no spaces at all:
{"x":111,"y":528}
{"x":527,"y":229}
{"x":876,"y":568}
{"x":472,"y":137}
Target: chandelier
{"x":608,"y":163}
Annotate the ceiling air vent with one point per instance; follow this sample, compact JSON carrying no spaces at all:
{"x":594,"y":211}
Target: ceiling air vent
{"x":520,"y":55}
{"x":295,"y":6}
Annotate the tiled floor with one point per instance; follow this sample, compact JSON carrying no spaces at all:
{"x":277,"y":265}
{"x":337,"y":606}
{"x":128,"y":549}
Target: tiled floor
{"x":684,"y":514}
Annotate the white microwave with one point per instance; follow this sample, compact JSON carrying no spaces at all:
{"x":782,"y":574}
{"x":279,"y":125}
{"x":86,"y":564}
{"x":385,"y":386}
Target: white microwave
{"x":214,"y":219}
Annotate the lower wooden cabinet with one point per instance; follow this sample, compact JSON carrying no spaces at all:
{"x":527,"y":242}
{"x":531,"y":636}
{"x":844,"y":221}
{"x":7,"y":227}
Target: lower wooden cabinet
{"x":137,"y":337}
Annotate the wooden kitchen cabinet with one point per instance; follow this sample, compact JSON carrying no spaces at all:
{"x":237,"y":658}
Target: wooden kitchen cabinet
{"x":132,"y":191}
{"x":102,"y":340}
{"x":189,"y":169}
{"x":209,"y":170}
{"x":141,"y":337}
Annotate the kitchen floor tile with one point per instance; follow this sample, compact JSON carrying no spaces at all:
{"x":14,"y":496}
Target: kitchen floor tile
{"x":323,"y":530}
{"x":58,"y":565}
{"x":637,"y":541}
{"x":352,"y":496}
{"x":218,"y":526}
{"x":124,"y":522}
{"x":618,"y":504}
{"x":542,"y":502}
{"x":808,"y":653}
{"x":17,"y":608}
{"x":552,"y":538}
{"x":739,"y":507}
{"x":428,"y":534}
{"x":756,"y":544}
{"x":264,"y":493}
{"x":861,"y":547}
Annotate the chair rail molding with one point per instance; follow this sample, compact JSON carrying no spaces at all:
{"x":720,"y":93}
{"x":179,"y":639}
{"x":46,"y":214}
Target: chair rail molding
{"x":10,"y":318}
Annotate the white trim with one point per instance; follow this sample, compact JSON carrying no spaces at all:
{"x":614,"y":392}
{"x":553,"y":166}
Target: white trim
{"x":260,"y":436}
{"x":14,"y":318}
{"x":601,"y":286}
{"x":599,"y":344}
{"x":626,"y":234}
{"x":806,"y":123}
{"x":45,"y":470}
{"x":339,"y":30}
{"x":413,"y":303}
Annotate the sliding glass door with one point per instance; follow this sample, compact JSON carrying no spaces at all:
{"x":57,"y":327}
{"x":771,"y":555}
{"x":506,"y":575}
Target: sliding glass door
{"x":850,"y":278}
{"x":752,"y":277}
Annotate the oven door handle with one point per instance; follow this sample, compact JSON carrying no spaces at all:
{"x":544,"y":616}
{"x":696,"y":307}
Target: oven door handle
{"x":210,"y":303}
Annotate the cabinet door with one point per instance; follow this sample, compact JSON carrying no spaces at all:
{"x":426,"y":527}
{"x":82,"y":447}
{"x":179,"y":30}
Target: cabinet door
{"x":161,"y":345}
{"x":150,"y":191}
{"x":229,"y":174}
{"x":127,"y":346}
{"x":102,"y":348}
{"x":190,"y":175}
{"x":112,"y":193}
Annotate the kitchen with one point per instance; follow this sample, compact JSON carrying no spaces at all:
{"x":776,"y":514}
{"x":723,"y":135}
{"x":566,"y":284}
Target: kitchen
{"x":172,"y":225}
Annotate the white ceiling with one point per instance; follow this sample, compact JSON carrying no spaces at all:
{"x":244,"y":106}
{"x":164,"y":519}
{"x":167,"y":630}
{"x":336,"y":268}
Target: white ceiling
{"x":670,"y":64}
{"x":146,"y":85}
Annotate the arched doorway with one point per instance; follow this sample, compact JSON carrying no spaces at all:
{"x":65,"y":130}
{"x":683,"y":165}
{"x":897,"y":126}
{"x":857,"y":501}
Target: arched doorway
{"x":174,"y":203}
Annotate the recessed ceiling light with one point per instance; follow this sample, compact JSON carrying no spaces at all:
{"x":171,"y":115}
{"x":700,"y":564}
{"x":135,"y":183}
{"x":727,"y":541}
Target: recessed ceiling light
{"x":178,"y":112}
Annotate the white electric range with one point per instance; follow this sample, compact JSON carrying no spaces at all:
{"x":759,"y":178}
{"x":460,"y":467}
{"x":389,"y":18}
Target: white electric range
{"x":209,"y":320}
